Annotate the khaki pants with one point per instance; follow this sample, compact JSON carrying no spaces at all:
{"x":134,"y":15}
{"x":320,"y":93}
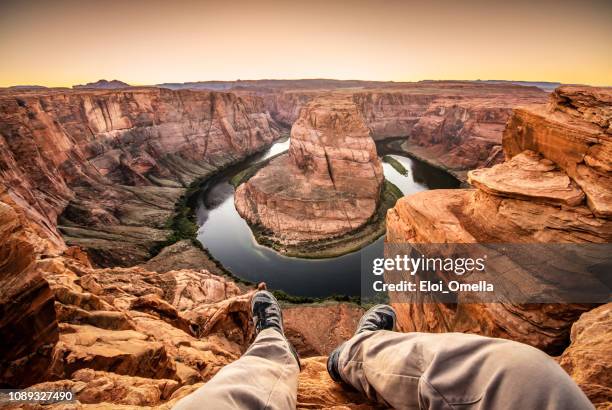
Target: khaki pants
{"x":265,"y":377}
{"x":456,"y":371}
{"x":404,"y":371}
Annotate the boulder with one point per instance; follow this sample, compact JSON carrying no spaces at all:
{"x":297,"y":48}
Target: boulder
{"x":588,"y":359}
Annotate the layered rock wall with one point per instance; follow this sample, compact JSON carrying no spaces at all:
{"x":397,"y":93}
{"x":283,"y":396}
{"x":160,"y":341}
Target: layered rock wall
{"x":574,"y":131}
{"x":60,"y":316}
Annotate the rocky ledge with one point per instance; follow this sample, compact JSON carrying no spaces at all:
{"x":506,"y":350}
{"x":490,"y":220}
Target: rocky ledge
{"x":132,"y":337}
{"x":328,"y":184}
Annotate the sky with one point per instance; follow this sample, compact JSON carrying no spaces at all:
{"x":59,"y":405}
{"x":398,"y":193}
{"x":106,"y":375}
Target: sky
{"x":61,"y":43}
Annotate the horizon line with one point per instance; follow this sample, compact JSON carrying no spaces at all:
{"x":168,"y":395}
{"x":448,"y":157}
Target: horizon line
{"x":302,"y":79}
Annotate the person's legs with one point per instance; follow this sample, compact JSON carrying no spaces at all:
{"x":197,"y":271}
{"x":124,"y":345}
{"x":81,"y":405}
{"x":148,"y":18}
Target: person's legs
{"x":265,"y":377}
{"x":452,"y":370}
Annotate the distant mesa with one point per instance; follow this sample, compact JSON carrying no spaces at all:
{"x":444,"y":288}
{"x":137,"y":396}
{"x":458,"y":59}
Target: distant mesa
{"x":27,"y":87}
{"x":103,"y":85}
{"x":547,"y":86}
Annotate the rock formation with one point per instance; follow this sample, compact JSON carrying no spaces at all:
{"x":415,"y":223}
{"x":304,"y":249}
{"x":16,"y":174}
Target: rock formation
{"x":328,"y":184}
{"x":552,"y":189}
{"x":456,"y":127}
{"x":573,"y":131}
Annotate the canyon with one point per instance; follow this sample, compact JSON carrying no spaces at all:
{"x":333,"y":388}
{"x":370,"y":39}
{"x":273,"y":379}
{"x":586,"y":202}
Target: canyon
{"x":89,"y":180}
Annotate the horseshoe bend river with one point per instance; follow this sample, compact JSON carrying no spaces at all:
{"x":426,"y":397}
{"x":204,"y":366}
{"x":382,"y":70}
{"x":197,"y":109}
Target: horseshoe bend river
{"x":229,"y":239}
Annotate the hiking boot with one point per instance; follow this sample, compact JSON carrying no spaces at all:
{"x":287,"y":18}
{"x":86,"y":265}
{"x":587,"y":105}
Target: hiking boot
{"x":379,"y":317}
{"x":267,"y":313}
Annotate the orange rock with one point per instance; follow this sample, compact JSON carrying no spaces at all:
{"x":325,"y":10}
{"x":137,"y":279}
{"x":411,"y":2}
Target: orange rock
{"x":28,"y":321}
{"x":316,"y":390}
{"x":527,"y":176}
{"x":92,"y":387}
{"x":112,"y":163}
{"x":574,"y":132}
{"x":317,"y":330}
{"x":588,"y":359}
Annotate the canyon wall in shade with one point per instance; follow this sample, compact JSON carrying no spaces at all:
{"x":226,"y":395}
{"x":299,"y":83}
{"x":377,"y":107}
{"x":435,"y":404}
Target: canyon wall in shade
{"x":113,"y":163}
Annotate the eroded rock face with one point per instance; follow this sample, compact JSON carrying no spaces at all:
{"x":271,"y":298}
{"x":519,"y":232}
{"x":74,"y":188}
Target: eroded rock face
{"x":537,"y":196}
{"x":531,"y":177}
{"x":328,"y":184}
{"x":61,"y":316}
{"x":454,"y":125}
{"x":318,"y":330}
{"x":137,"y":338}
{"x":92,"y":387}
{"x":316,"y":390}
{"x":588,"y":359}
{"x":113,"y":163}
{"x":574,"y":132}
{"x":28,"y":322}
